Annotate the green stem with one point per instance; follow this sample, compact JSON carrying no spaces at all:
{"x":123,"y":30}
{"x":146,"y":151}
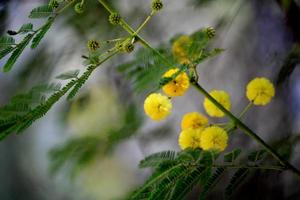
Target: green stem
{"x":245,"y":110}
{"x":277,"y":168}
{"x":145,"y":22}
{"x":64,"y":8}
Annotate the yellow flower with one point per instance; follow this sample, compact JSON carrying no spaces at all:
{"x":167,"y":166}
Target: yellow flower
{"x":157,"y":106}
{"x":190,"y":138}
{"x":178,"y":86}
{"x":180,"y":47}
{"x":214,"y":138}
{"x":193,"y":120}
{"x":220,"y":96}
{"x":260,"y":91}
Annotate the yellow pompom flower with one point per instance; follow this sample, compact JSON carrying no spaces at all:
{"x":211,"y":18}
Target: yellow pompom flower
{"x":213,"y":138}
{"x":260,"y":91}
{"x":193,"y":120}
{"x":220,"y":96}
{"x":190,"y":138}
{"x":179,"y":49}
{"x":157,"y":106}
{"x":178,"y":86}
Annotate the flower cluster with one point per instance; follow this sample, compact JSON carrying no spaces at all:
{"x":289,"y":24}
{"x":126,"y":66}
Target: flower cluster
{"x":196,"y":130}
{"x":196,"y":133}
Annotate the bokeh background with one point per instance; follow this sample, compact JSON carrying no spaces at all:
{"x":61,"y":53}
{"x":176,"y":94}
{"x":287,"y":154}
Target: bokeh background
{"x":261,"y":38}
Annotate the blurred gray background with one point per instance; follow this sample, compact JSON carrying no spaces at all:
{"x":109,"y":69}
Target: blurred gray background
{"x":261,"y":38}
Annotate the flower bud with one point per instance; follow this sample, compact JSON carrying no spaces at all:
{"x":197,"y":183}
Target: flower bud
{"x":114,"y":18}
{"x":53,"y":4}
{"x":128,"y":47}
{"x":157,"y":5}
{"x":78,"y":8}
{"x":93,"y":45}
{"x":211,"y":32}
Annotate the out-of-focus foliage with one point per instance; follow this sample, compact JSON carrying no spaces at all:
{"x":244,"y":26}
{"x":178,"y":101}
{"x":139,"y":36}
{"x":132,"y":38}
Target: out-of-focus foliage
{"x":80,"y":151}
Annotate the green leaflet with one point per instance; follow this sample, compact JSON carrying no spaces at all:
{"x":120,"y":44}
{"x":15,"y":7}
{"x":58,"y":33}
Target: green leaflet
{"x":186,"y":184}
{"x":41,"y":12}
{"x":18,"y":122}
{"x":257,"y":155}
{"x":16,"y":53}
{"x":39,"y":36}
{"x":6,"y":51}
{"x":68,"y":75}
{"x":232,"y":156}
{"x":25,"y":28}
{"x":157,"y":158}
{"x":6,"y":41}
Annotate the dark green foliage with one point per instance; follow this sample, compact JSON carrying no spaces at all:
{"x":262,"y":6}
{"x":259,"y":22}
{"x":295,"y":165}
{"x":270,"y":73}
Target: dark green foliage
{"x":16,"y":53}
{"x":78,"y":152}
{"x":235,"y":181}
{"x":6,"y":41}
{"x":157,"y":158}
{"x":175,"y":175}
{"x":131,"y":122}
{"x":6,"y":51}
{"x":39,"y":36}
{"x":232,"y":156}
{"x":41,"y":12}
{"x":146,"y":69}
{"x":211,"y":182}
{"x":256,"y":156}
{"x":81,"y":80}
{"x":24,"y":109}
{"x":289,"y":65}
{"x":25,"y":28}
{"x":187,"y":183}
{"x":68,"y":75}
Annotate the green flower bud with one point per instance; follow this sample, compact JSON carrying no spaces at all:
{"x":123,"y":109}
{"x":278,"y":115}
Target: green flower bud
{"x":128,"y":47}
{"x":211,"y":32}
{"x":114,"y":18}
{"x":93,"y":45}
{"x":157,"y":5}
{"x":53,"y":4}
{"x":78,"y":8}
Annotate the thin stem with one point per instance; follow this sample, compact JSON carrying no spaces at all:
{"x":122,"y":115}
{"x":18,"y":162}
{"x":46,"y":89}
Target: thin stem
{"x":245,"y":110}
{"x":145,"y":22}
{"x":64,"y":8}
{"x":277,"y":168}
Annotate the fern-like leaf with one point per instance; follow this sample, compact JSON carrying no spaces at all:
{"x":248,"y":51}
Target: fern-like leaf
{"x":25,"y":28}
{"x":157,"y":158}
{"x":68,"y":75}
{"x":16,"y":53}
{"x":6,"y":51}
{"x":41,"y":12}
{"x":211,"y":182}
{"x":81,"y":80}
{"x":186,"y":184}
{"x":256,"y":156}
{"x":232,"y":156}
{"x":39,"y":36}
{"x":6,"y":41}
{"x":235,"y":181}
